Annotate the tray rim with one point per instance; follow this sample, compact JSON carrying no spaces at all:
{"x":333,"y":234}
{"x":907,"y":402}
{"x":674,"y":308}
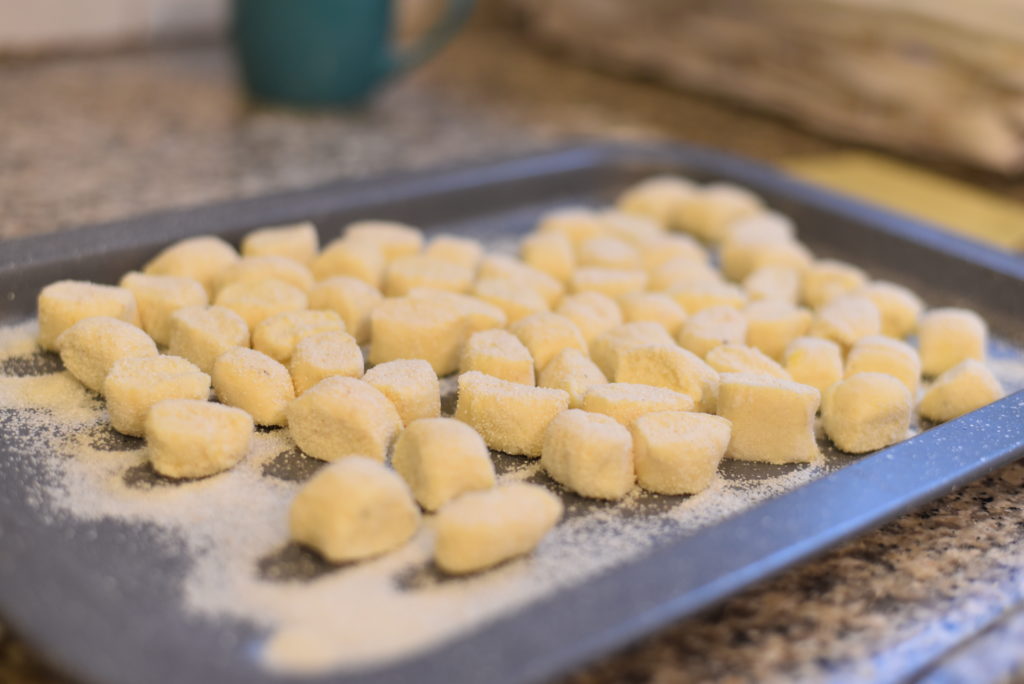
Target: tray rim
{"x":34,"y":250}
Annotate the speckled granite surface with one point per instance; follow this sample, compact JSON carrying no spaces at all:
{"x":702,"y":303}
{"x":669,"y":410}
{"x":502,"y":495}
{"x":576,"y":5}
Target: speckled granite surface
{"x":930,"y":597}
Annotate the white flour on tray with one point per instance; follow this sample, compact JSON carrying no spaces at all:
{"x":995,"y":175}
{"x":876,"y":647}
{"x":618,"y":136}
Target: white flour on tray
{"x":354,"y":617}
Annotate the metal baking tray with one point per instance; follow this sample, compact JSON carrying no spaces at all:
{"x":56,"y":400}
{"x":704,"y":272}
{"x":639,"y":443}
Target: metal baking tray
{"x":97,"y":599}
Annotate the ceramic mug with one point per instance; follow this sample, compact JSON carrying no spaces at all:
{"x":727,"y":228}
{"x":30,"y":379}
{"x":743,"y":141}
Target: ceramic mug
{"x":324,"y":52}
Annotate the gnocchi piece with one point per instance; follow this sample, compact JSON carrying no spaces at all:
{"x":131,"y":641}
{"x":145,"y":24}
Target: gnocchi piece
{"x":773,"y":283}
{"x":764,"y":224}
{"x":656,"y":198}
{"x":608,"y":281}
{"x":430,"y":327}
{"x":350,"y":298}
{"x":607,"y":252}
{"x":574,"y":223}
{"x":419,"y":270}
{"x":656,"y":307}
{"x":441,"y":458}
{"x":91,"y":346}
{"x":699,"y":296}
{"x":65,"y":302}
{"x":202,"y":333}
{"x":550,"y":253}
{"x":189,"y":438}
{"x":744,"y":254}
{"x":511,"y":417}
{"x":525,"y":277}
{"x":135,"y":384}
{"x":681,"y":273}
{"x":607,"y":348}
{"x":814,"y":361}
{"x":324,"y":355}
{"x":571,"y":370}
{"x":671,"y":367}
{"x":738,"y":358}
{"x":411,"y":385}
{"x":158,"y":297}
{"x":391,"y":238}
{"x":462,"y":251}
{"x":296,"y":241}
{"x":880,"y":354}
{"x":278,"y":335}
{"x":625,"y":402}
{"x":677,"y":452}
{"x":358,"y":260}
{"x":255,"y":269}
{"x":826,"y":279}
{"x":709,"y":211}
{"x":772,"y":419}
{"x":965,"y":387}
{"x":203,"y":258}
{"x":353,"y":510}
{"x":712,"y":327}
{"x":846,"y":319}
{"x":255,"y":301}
{"x":866,"y":412}
{"x":254,"y":382}
{"x":341,"y":417}
{"x":546,"y":334}
{"x":899,"y":307}
{"x":511,"y":297}
{"x":592,"y":312}
{"x":481,"y":529}
{"x":498,"y":353}
{"x":680,"y":249}
{"x":635,"y":230}
{"x":590,"y":454}
{"x":948,"y":336}
{"x":772,"y":325}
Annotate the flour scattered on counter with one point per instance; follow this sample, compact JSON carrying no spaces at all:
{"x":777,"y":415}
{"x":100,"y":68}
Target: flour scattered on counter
{"x":233,"y":527}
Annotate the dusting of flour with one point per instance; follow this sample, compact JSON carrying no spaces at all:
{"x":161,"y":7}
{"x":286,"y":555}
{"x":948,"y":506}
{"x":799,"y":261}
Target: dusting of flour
{"x":353,"y":617}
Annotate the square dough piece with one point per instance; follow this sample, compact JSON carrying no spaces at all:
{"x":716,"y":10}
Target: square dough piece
{"x":671,"y":367}
{"x":592,"y":312}
{"x":278,"y":335}
{"x":549,"y":253}
{"x":352,"y":299}
{"x":391,"y":238}
{"x":949,"y":336}
{"x":773,"y":324}
{"x":572,"y":372}
{"x":353,"y":510}
{"x":158,"y":297}
{"x":481,"y":529}
{"x":546,"y":334}
{"x":590,"y":454}
{"x":465,"y":252}
{"x":814,"y":361}
{"x":362,"y":261}
{"x":343,"y":417}
{"x":323,"y":355}
{"x":772,"y":420}
{"x":254,"y":382}
{"x":677,"y":452}
{"x":91,"y":346}
{"x":441,"y":458}
{"x":626,"y":402}
{"x":135,"y":384}
{"x":711,"y":328}
{"x":255,"y":269}
{"x":296,"y":241}
{"x":186,"y":438}
{"x":866,"y":412}
{"x":419,"y":270}
{"x":608,"y":347}
{"x":202,"y":333}
{"x":261,"y":299}
{"x":963,"y":388}
{"x":881,"y":354}
{"x":738,"y":358}
{"x":65,"y":302}
{"x":411,"y":385}
{"x":656,"y":307}
{"x":499,"y":353}
{"x":203,"y":258}
{"x":846,"y":319}
{"x":509,"y":416}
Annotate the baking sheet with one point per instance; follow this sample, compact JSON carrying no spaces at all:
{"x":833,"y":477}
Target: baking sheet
{"x":101,"y":598}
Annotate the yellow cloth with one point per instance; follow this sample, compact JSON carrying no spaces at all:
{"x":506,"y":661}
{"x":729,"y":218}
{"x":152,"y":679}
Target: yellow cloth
{"x":950,"y":204}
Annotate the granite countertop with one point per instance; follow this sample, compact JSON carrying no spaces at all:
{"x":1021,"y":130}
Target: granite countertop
{"x":931,"y":597}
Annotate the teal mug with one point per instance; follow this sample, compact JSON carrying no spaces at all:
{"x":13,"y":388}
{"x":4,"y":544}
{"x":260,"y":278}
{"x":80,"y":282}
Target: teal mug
{"x":328,"y":52}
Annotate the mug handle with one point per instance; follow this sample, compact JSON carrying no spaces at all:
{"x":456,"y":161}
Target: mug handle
{"x":454,"y":15}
